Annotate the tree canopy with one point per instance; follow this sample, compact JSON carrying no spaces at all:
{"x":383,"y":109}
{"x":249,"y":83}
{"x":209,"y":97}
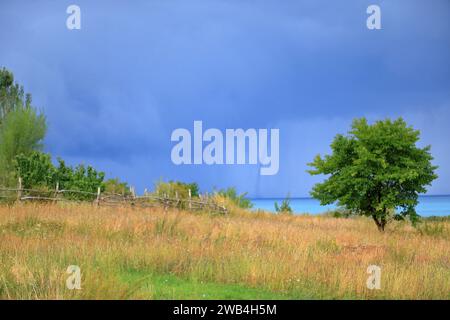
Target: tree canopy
{"x":22,"y":127}
{"x":36,"y":170}
{"x":376,"y":170}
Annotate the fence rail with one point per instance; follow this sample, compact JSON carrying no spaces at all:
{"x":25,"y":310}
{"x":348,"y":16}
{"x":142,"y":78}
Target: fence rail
{"x":204,"y":202}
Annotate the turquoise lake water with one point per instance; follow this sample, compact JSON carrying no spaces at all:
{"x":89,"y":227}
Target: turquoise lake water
{"x":428,"y":205}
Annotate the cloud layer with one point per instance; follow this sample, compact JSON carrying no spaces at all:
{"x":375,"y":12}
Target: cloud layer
{"x":114,"y":90}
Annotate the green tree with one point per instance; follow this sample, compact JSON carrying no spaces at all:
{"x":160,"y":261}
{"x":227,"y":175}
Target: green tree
{"x":376,"y":170}
{"x":12,"y":94}
{"x":22,"y":128}
{"x":21,"y":132}
{"x":195,"y":190}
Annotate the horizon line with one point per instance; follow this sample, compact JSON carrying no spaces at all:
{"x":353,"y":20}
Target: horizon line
{"x":268,"y":198}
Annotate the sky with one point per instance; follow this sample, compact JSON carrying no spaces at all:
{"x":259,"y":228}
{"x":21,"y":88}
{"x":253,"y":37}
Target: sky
{"x":114,"y":90}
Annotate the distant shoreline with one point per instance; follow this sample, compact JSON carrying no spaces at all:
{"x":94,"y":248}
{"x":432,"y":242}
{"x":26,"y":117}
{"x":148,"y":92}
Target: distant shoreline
{"x":429,"y":205}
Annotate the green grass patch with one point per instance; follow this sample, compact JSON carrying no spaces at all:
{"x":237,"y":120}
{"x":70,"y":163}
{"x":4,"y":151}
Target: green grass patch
{"x":155,"y":286}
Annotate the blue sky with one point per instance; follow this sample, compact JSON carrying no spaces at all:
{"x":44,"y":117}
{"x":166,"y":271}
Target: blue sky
{"x":115,"y":90}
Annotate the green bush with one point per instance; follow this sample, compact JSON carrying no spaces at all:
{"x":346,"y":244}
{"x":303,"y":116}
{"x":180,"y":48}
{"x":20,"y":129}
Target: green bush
{"x":37,"y":172}
{"x":285,"y":206}
{"x":172,"y":189}
{"x":238,"y":199}
{"x":117,"y":187}
{"x":35,"y":169}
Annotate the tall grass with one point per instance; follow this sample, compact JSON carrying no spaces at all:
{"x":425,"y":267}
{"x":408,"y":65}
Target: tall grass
{"x":297,"y":256}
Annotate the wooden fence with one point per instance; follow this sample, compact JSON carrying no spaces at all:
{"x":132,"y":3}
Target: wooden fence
{"x":204,"y":202}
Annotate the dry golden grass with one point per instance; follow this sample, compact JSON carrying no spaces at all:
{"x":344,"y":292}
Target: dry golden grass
{"x":297,"y":256}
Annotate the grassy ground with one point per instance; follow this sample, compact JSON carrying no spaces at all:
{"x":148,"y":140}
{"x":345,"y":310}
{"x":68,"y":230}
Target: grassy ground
{"x":128,"y":253}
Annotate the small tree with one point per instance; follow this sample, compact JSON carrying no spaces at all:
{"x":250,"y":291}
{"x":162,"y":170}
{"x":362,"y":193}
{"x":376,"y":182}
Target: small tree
{"x":377,"y":171}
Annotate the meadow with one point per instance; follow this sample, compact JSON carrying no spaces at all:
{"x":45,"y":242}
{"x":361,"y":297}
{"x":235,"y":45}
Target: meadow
{"x":134,"y":253}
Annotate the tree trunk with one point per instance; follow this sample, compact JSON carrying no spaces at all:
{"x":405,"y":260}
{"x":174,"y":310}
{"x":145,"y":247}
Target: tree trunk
{"x":380,"y":223}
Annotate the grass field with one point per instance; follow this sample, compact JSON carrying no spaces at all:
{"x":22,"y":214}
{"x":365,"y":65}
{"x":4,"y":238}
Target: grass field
{"x":127,"y":253}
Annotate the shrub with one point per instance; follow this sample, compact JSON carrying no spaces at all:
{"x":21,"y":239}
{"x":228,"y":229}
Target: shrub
{"x":172,"y":189}
{"x":284,"y":207}
{"x":239,"y":200}
{"x":37,"y":172}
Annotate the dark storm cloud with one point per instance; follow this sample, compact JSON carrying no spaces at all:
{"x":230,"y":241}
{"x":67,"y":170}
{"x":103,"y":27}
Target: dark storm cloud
{"x":114,"y":90}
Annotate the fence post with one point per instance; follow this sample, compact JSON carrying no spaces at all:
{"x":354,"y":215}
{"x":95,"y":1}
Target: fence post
{"x":56,"y":192}
{"x":190,"y":203}
{"x":133,"y":195}
{"x":19,"y":190}
{"x":98,"y":196}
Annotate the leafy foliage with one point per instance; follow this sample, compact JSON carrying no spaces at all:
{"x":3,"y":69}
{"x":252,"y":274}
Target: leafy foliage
{"x":173,"y":188}
{"x":117,"y":187}
{"x":37,"y":170}
{"x":377,"y":170}
{"x":22,"y":128}
{"x":238,"y":199}
{"x":285,"y":206}
{"x":80,"y":178}
{"x":12,"y":95}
